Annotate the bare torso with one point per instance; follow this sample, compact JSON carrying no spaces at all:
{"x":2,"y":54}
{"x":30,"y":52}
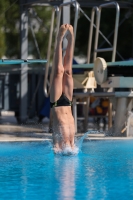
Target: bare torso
{"x":62,"y":116}
{"x":63,"y":124}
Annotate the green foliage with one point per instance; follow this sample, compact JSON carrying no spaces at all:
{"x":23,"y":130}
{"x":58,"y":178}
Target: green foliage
{"x":10,"y":32}
{"x":3,"y":6}
{"x":2,"y":43}
{"x":42,"y":35}
{"x":10,"y":29}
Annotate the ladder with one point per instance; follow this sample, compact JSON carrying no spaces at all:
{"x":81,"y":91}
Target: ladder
{"x":113,"y":47}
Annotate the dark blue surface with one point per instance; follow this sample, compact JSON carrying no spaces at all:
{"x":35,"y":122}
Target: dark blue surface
{"x":45,"y":111}
{"x":103,"y":170}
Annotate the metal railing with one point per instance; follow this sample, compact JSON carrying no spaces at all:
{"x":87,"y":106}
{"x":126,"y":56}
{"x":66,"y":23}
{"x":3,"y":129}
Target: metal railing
{"x":55,"y":10}
{"x":94,"y":10}
{"x":113,"y":48}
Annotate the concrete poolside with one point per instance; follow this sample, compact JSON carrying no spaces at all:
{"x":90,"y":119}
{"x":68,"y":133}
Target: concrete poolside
{"x":11,"y":131}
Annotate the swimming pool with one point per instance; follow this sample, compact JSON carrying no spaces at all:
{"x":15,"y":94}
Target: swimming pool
{"x":103,"y":170}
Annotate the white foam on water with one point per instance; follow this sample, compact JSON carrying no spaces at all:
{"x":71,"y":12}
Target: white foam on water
{"x":68,"y":151}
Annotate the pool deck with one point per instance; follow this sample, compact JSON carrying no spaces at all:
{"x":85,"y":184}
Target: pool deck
{"x":11,"y":131}
{"x":16,"y":133}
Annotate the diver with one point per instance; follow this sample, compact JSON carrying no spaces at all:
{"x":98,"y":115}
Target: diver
{"x":61,"y":92}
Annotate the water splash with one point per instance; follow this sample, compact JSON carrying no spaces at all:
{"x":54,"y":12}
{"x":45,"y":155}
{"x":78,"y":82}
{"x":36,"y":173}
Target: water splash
{"x":80,"y":141}
{"x":67,"y":151}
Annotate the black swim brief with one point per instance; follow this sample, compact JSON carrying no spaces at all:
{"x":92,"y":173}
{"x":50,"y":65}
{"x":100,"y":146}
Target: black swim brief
{"x":62,"y":101}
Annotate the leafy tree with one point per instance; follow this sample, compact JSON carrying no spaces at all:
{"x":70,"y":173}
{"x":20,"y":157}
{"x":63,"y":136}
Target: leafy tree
{"x":10,"y":29}
{"x":10,"y":32}
{"x":43,"y":20}
{"x":3,"y":6}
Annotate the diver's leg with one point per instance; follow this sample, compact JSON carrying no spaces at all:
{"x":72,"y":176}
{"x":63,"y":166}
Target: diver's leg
{"x":72,"y":134}
{"x":67,"y":78}
{"x":56,"y":87}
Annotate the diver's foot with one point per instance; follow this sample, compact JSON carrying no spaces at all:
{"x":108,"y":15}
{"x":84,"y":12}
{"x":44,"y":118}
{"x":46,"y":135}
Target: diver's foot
{"x":69,"y":33}
{"x":62,"y":30}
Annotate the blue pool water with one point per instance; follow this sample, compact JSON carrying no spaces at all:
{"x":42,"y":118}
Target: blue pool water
{"x":103,"y":170}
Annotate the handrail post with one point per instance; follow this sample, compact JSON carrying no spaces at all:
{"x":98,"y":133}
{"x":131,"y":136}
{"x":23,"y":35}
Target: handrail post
{"x":97,"y":33}
{"x":55,"y":9}
{"x":116,"y":31}
{"x":75,"y":22}
{"x":94,"y":9}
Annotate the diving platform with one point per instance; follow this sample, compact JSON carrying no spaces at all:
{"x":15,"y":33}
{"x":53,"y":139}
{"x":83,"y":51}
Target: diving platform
{"x":14,"y":65}
{"x":128,"y":63}
{"x":21,"y":61}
